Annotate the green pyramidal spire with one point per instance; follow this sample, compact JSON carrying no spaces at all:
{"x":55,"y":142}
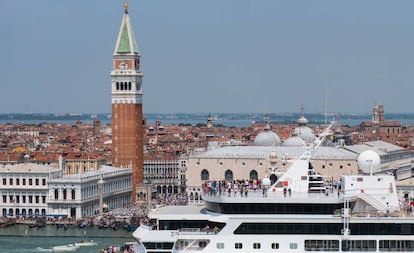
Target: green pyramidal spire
{"x":126,"y":43}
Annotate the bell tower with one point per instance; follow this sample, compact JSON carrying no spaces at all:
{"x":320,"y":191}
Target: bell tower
{"x":126,"y":91}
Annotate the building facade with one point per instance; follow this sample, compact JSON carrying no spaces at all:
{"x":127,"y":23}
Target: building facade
{"x":24,"y":189}
{"x":165,"y":176}
{"x":77,"y":195}
{"x":127,"y":120}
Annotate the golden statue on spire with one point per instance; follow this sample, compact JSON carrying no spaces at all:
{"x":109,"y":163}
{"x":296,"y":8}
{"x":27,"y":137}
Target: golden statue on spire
{"x":126,"y":7}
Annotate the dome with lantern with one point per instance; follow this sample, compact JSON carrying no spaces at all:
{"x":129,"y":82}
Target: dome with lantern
{"x":303,"y":131}
{"x":267,"y":138}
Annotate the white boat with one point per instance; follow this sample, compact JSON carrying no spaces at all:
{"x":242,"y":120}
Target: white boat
{"x":65,"y":248}
{"x":299,"y":212}
{"x":82,"y":243}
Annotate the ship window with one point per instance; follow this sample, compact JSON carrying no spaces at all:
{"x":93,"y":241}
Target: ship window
{"x":220,"y":245}
{"x":396,"y":245}
{"x":275,"y":245}
{"x":238,"y":245}
{"x":293,"y":245}
{"x":256,"y":245}
{"x":360,"y":179}
{"x":322,"y":245}
{"x":205,"y":175}
{"x":202,"y":244}
{"x":359,"y":245}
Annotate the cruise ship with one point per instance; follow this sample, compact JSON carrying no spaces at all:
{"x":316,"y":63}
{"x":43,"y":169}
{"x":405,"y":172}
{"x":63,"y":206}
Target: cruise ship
{"x":300,"y":211}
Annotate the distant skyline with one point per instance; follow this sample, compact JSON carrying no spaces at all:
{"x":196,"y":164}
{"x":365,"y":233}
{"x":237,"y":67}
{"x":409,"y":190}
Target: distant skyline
{"x":238,"y":56}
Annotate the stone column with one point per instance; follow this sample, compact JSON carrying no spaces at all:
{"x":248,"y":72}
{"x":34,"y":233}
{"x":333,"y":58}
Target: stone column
{"x":100,"y":187}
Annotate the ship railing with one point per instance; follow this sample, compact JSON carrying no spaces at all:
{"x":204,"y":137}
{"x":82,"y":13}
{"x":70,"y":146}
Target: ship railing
{"x":317,"y":193}
{"x":377,"y":214}
{"x":197,"y":231}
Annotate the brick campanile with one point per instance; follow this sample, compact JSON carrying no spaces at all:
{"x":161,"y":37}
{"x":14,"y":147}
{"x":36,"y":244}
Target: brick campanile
{"x":127,"y":119}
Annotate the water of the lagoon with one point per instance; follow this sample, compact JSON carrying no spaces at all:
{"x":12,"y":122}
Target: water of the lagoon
{"x":225,"y":119}
{"x":21,"y":239}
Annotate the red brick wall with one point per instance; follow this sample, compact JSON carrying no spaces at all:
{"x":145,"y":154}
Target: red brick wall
{"x":127,"y":140}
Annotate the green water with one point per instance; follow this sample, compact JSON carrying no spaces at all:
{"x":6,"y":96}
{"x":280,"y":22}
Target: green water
{"x":21,"y":239}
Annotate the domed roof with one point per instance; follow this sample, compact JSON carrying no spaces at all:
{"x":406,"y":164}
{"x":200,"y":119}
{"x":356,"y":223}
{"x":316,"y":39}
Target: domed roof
{"x":294,"y":141}
{"x":267,"y":138}
{"x":305,"y":133}
{"x":302,"y":121}
{"x":302,"y":131}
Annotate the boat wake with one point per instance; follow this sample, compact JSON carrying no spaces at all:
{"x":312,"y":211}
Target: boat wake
{"x":40,"y":249}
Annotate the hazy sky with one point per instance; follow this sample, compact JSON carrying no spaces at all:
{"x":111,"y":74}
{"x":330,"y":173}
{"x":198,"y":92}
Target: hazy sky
{"x":210,"y":56}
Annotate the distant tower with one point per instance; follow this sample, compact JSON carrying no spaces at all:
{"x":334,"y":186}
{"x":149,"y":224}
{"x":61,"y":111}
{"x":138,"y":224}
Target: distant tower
{"x":209,"y":121}
{"x":381,"y":113}
{"x":96,"y":127}
{"x":375,"y":115}
{"x":127,"y":120}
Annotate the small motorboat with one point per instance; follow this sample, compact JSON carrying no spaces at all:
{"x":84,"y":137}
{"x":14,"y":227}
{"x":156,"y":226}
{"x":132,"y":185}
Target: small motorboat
{"x":82,"y":243}
{"x":65,"y":248}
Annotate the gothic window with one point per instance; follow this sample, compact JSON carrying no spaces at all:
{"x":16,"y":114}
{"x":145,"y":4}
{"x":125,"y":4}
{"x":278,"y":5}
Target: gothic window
{"x":205,"y":175}
{"x":56,"y":194}
{"x":129,"y":86}
{"x":73,"y":194}
{"x":228,"y":175}
{"x":64,"y":193}
{"x":253,"y":175}
{"x":117,"y":86}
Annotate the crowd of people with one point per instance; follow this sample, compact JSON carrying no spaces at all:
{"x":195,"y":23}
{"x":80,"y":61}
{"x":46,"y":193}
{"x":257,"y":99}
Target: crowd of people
{"x":172,"y":199}
{"x":242,"y":187}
